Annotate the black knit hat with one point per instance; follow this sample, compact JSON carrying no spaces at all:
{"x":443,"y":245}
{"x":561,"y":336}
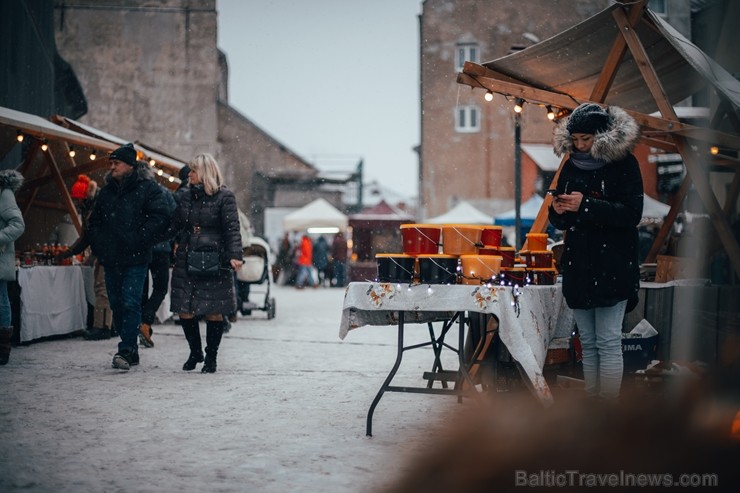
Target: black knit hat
{"x":125,"y":153}
{"x":588,"y":118}
{"x":183,"y":175}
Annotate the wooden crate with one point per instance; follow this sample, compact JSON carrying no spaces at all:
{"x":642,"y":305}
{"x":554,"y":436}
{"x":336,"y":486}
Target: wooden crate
{"x":670,"y":268}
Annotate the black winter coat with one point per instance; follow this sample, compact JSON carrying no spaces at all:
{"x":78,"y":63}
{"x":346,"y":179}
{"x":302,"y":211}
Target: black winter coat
{"x":218,"y":219}
{"x":600,"y":259}
{"x":126,"y":219}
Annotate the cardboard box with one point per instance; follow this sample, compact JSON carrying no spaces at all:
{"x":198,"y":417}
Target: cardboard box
{"x":670,"y":268}
{"x":638,"y":352}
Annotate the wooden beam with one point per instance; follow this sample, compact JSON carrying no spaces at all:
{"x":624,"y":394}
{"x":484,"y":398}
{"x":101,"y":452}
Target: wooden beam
{"x":519,"y":90}
{"x":616,"y":54}
{"x":540,"y":222}
{"x":644,"y":65}
{"x":477,"y":70}
{"x":66,"y":198}
{"x":701,"y":183}
{"x":665,"y":228}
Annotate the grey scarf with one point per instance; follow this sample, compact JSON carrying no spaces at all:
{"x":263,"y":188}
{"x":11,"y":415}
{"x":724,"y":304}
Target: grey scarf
{"x":586,"y":162}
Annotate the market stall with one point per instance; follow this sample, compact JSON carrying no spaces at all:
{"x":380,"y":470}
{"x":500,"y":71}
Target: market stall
{"x":629,"y":57}
{"x":529,"y":318}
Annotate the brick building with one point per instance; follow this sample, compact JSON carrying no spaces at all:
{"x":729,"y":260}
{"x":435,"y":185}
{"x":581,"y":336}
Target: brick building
{"x":467,"y":144}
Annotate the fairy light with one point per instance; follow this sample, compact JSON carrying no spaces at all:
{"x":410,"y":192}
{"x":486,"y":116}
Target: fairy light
{"x":72,"y":152}
{"x":19,"y":136}
{"x":488,"y":96}
{"x":93,"y":157}
{"x":44,"y":146}
{"x":550,"y":112}
{"x":714,"y":150}
{"x":152,"y":162}
{"x":518,"y":105}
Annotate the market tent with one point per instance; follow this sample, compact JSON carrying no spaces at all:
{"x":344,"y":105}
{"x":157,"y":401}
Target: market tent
{"x":50,"y":154}
{"x":318,"y":214}
{"x":527,"y":213}
{"x":630,"y":57}
{"x":462,"y":213}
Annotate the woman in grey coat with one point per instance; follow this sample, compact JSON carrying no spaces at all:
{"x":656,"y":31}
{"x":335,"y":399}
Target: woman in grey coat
{"x":206,"y":217}
{"x":11,"y":228}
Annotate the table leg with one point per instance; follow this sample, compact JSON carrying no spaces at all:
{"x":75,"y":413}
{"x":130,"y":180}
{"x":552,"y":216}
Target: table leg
{"x":464,"y":364}
{"x":386,"y":383}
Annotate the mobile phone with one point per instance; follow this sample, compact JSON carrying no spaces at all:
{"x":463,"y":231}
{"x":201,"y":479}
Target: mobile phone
{"x":553,"y":192}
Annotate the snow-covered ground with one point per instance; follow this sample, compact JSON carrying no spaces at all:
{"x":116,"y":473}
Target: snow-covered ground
{"x":285,"y":411}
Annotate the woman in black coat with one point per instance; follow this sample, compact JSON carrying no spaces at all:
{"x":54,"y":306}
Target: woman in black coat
{"x":206,"y":218}
{"x":598,"y":203}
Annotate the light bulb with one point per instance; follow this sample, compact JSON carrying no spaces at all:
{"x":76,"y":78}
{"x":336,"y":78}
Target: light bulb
{"x":72,"y":151}
{"x":518,"y":105}
{"x":19,"y":136}
{"x":44,"y":146}
{"x":171,"y":179}
{"x":92,"y":156}
{"x":550,"y":112}
{"x":714,"y":150}
{"x":160,"y":172}
{"x":488,"y":96}
{"x":152,"y":162}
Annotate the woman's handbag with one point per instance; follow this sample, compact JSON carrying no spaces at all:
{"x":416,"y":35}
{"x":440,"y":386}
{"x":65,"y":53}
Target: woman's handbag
{"x":203,"y":262}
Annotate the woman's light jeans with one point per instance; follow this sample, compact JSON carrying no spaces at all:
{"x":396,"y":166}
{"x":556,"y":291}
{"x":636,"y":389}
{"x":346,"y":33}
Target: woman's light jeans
{"x":600,"y":332}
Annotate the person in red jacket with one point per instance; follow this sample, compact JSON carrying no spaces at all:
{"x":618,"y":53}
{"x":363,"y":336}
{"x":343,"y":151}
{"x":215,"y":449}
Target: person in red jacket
{"x":305,"y":261}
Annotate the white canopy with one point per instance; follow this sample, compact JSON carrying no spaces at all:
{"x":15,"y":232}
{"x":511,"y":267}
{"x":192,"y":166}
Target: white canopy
{"x":317,"y":214}
{"x":654,"y":210}
{"x":462,"y":213}
{"x":527,"y":213}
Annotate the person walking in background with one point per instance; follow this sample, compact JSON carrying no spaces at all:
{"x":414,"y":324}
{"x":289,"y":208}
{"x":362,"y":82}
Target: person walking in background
{"x":321,"y":259}
{"x":305,"y":261}
{"x":84,"y":192}
{"x":11,"y":228}
{"x":339,"y":259}
{"x":205,"y":218}
{"x":159,"y":267}
{"x":129,"y":213}
{"x":598,"y":202}
{"x":284,"y":261}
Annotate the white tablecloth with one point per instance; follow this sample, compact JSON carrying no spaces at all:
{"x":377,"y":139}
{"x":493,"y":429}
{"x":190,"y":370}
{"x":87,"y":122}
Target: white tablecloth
{"x":53,"y":301}
{"x":529,"y":317}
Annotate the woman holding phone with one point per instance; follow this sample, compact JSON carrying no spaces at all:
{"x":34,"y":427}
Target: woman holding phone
{"x":598,"y":204}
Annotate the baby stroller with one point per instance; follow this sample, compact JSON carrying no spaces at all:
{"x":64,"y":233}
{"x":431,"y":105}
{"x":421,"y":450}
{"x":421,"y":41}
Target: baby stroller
{"x":256,"y":257}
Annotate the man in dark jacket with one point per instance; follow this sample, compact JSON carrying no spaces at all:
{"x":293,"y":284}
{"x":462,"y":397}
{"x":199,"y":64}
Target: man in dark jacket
{"x":129,"y":213}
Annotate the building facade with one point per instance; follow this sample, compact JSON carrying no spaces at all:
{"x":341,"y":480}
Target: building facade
{"x":467,"y":149}
{"x":154,"y":72}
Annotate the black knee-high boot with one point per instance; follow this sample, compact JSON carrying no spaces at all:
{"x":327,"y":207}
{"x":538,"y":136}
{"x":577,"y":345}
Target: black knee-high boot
{"x":192,"y":334}
{"x":214,"y":331}
{"x":6,"y":338}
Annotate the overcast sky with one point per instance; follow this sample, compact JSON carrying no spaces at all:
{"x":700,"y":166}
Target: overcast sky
{"x":335,"y":81}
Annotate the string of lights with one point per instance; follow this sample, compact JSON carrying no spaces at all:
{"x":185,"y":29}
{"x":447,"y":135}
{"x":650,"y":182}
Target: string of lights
{"x":159,"y":171}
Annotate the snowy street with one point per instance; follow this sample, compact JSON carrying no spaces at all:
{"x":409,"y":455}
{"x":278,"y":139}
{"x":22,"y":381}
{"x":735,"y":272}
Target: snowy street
{"x":285,"y":411}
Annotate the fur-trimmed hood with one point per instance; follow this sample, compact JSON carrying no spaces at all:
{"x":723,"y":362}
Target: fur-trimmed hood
{"x":613,"y":144}
{"x":10,"y":178}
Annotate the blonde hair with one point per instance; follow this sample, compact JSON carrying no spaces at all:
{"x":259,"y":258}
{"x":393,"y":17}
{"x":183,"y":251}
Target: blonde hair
{"x":208,"y":171}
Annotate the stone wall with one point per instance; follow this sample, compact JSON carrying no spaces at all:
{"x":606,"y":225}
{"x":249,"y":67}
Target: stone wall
{"x":149,"y":72}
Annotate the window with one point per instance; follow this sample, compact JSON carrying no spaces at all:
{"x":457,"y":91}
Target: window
{"x":660,"y":7}
{"x":466,"y":52}
{"x":467,"y":119}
